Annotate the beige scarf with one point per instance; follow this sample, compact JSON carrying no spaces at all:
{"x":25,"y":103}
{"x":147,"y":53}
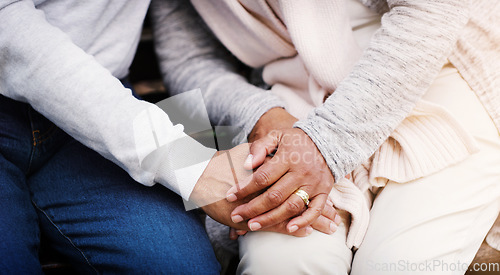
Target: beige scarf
{"x":296,"y":41}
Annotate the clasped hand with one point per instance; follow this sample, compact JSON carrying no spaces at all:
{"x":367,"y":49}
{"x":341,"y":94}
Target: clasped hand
{"x":296,"y":164}
{"x":265,"y":200}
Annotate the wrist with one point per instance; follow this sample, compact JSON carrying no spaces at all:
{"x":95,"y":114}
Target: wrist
{"x":273,"y":119}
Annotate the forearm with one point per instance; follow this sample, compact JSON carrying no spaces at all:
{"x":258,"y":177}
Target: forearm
{"x":190,"y":57}
{"x":395,"y":71}
{"x":41,"y":66}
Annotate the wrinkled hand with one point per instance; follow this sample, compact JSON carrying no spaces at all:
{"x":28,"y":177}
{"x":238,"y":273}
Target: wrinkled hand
{"x":296,"y":164}
{"x":210,"y":190}
{"x":274,"y":119}
{"x":327,"y":223}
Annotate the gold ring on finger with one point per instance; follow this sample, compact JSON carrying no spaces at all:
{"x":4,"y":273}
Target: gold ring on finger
{"x":303,"y":195}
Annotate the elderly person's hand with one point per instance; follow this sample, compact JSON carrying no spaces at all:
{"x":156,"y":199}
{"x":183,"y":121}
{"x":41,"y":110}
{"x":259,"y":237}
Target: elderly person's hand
{"x":220,"y":175}
{"x":296,"y":165}
{"x":327,"y":223}
{"x":274,"y":119}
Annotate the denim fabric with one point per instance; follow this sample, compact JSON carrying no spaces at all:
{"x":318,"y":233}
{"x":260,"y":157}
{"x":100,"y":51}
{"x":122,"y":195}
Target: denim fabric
{"x":89,"y":208}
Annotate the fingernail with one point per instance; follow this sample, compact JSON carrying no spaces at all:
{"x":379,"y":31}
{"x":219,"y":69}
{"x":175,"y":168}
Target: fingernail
{"x":231,"y":197}
{"x":233,"y":235}
{"x":255,"y":226}
{"x":236,"y":218}
{"x":293,"y":228}
{"x":309,"y":230}
{"x":248,"y":161}
{"x":231,"y":190}
{"x":337,"y":219}
{"x":333,"y":227}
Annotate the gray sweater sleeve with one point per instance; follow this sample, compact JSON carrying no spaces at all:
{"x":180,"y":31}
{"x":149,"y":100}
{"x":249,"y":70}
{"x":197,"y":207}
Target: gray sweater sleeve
{"x":190,"y":57}
{"x":40,"y":65}
{"x":403,"y":58}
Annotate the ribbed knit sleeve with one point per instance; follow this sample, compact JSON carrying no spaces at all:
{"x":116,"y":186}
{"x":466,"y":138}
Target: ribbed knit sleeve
{"x":191,"y":58}
{"x":397,"y":68}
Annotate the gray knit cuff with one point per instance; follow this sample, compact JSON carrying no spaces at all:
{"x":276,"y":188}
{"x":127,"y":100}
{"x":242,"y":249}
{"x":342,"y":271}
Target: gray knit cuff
{"x":320,"y":137}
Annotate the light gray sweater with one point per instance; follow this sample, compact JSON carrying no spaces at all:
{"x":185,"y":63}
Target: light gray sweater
{"x":65,"y":58}
{"x":402,"y":60}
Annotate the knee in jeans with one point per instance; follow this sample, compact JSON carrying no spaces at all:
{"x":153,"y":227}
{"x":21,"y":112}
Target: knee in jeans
{"x":160,"y":261}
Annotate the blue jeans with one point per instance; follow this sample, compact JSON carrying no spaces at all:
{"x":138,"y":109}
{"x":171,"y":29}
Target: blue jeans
{"x":89,"y":209}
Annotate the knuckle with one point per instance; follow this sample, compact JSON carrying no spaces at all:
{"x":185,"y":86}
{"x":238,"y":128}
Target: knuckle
{"x":246,"y":215}
{"x":275,"y":197}
{"x":261,"y":178}
{"x":293,"y":207}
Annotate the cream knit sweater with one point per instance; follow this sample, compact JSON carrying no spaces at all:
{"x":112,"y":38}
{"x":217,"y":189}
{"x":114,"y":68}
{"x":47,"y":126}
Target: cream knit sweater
{"x":298,"y":43}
